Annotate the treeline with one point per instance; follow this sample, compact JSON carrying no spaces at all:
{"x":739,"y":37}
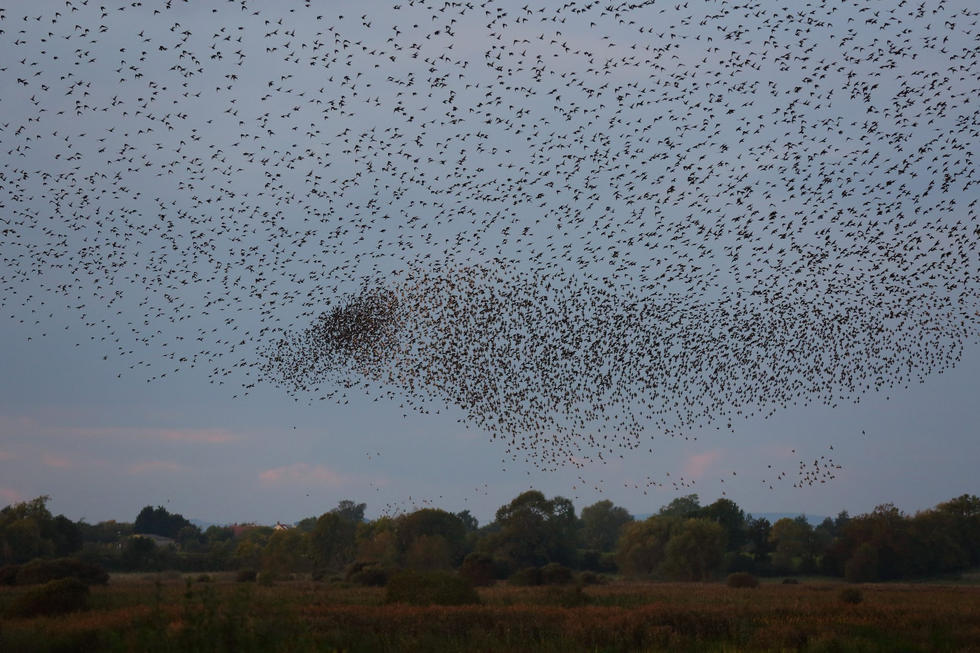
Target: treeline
{"x":532,"y":540}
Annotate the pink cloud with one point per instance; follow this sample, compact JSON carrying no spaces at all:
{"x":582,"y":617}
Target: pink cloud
{"x":304,"y":474}
{"x":52,"y":460}
{"x":6,"y":455}
{"x":200,"y":436}
{"x":9,"y":496}
{"x":696,"y":466}
{"x":153,"y":466}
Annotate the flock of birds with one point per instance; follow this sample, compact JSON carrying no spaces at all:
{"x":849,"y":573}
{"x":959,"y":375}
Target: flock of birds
{"x":581,"y":224}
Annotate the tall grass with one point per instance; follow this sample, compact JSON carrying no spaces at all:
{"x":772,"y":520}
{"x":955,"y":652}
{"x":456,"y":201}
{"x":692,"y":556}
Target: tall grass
{"x":176,"y":615}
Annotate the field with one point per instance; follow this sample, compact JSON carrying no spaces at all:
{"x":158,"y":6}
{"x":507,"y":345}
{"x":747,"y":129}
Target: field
{"x":178,"y":613}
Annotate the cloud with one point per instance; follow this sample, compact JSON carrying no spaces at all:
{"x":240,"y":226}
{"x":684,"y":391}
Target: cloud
{"x":5,"y":455}
{"x":152,"y":466}
{"x":304,"y":474}
{"x":53,"y":460}
{"x":12,"y":426}
{"x":696,"y":466}
{"x":199,"y":436}
{"x":9,"y":496}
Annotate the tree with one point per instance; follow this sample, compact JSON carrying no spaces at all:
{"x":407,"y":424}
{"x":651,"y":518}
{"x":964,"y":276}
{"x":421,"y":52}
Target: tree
{"x":351,"y":511}
{"x":792,"y":544}
{"x":28,"y":530}
{"x":642,"y":546}
{"x":695,"y":550}
{"x":730,"y":517}
{"x":332,"y":541}
{"x":159,"y":521}
{"x":687,"y":506}
{"x":428,"y":535}
{"x":601,"y":524}
{"x":285,"y":551}
{"x":532,"y":530}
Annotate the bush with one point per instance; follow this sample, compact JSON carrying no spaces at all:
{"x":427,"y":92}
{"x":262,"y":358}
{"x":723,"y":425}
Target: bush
{"x":55,"y":597}
{"x":742,"y":579}
{"x":266,"y":577}
{"x":478,"y":569}
{"x":526,"y":577}
{"x":37,"y":572}
{"x":246,"y":576}
{"x":851,"y":595}
{"x":204,"y":578}
{"x":590,"y":578}
{"x":790,"y":581}
{"x":430,"y":588}
{"x":555,"y":574}
{"x":369,"y":574}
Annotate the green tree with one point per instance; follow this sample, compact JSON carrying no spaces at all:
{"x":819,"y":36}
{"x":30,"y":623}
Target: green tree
{"x":431,"y":538}
{"x":351,"y":511}
{"x":730,"y":517}
{"x":286,"y":551}
{"x":332,"y":541}
{"x":601,"y":524}
{"x":159,"y":521}
{"x":695,"y":550}
{"x":792,"y":542}
{"x":532,"y":530}
{"x":642,"y":547}
{"x":687,"y":506}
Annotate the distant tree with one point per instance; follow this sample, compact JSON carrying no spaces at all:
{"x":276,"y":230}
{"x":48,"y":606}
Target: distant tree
{"x":139,"y":554}
{"x":29,"y":530}
{"x":642,"y":547}
{"x":964,"y":512}
{"x":159,"y":521}
{"x":686,"y":506}
{"x":425,"y":535}
{"x":532,"y":531}
{"x":350,"y":510}
{"x":286,"y":551}
{"x":332,"y":541}
{"x":730,"y":517}
{"x":376,"y":543}
{"x":601,"y":524}
{"x":695,"y":550}
{"x":470,"y":522}
{"x":792,"y":542}
{"x":757,"y":542}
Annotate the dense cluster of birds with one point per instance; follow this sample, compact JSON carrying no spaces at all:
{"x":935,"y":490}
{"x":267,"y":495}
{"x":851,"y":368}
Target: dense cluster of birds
{"x":581,"y":224}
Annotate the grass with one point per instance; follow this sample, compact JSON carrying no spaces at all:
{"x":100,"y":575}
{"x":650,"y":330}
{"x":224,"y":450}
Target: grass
{"x":142,"y":612}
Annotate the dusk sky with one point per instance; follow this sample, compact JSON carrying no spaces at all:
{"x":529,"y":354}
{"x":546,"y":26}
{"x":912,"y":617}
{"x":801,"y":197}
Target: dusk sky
{"x":126,"y":295}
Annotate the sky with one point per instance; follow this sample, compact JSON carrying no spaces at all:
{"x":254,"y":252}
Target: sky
{"x":107,"y":429}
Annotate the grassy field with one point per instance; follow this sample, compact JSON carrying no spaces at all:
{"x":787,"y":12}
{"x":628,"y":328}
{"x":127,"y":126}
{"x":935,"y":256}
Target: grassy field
{"x":174,"y":613}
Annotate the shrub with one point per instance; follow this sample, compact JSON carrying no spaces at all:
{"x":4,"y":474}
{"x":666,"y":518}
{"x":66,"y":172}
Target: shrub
{"x":478,"y":569}
{"x":742,"y":579}
{"x":430,"y":588}
{"x":246,"y":576}
{"x":37,"y":572}
{"x":790,"y":581}
{"x":555,"y":574}
{"x":526,"y":577}
{"x":369,"y":574}
{"x":55,"y":597}
{"x":851,"y":595}
{"x":590,"y":578}
{"x":204,"y":578}
{"x":573,"y":597}
{"x":266,"y":577}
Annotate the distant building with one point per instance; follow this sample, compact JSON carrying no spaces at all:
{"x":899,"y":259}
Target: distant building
{"x":158,"y":540}
{"x":280,"y":527}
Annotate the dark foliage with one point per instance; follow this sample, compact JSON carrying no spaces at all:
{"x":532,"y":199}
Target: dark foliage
{"x":430,"y":588}
{"x":55,"y":597}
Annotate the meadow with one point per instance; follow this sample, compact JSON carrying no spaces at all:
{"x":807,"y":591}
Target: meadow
{"x":173,"y":612}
